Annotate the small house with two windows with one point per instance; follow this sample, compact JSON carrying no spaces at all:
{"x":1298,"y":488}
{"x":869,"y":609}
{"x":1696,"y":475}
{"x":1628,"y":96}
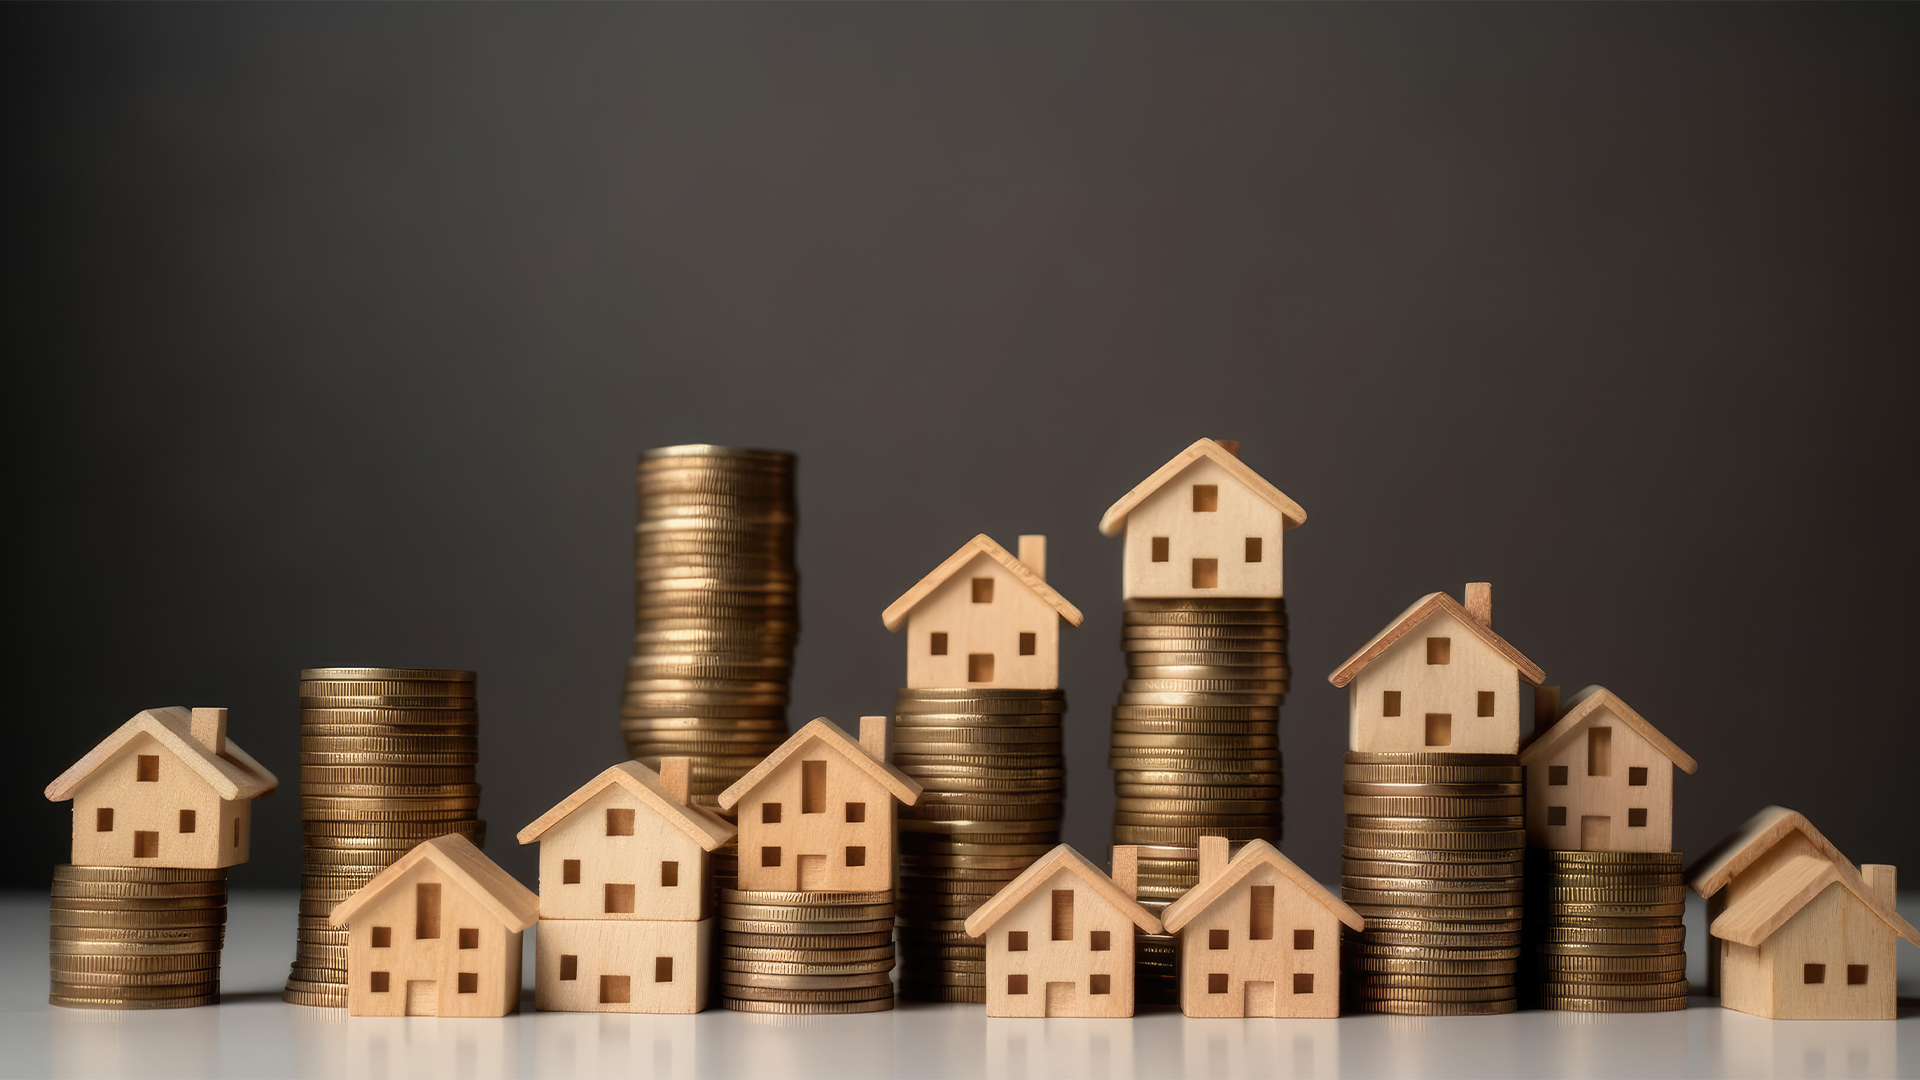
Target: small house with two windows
{"x":1204,"y":524}
{"x":1601,"y":779}
{"x":984,"y":618}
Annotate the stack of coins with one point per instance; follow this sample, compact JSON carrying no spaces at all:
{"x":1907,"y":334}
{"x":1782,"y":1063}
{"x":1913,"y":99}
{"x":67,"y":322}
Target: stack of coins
{"x":806,"y":952}
{"x":716,"y":611}
{"x":1434,"y":859}
{"x":136,"y":937}
{"x":387,"y":760}
{"x":1604,"y":931}
{"x":994,"y":782}
{"x":1166,"y":873}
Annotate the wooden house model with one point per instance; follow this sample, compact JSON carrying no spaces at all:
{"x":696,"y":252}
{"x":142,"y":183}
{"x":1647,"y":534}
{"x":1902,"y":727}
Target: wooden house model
{"x":1202,"y":525}
{"x":1601,"y":779}
{"x":1438,"y":680}
{"x":166,"y":789}
{"x":1059,"y":937}
{"x":1801,"y":934}
{"x":984,"y":618}
{"x":817,"y":815}
{"x":625,"y":919}
{"x":436,"y":934}
{"x":1258,"y":936}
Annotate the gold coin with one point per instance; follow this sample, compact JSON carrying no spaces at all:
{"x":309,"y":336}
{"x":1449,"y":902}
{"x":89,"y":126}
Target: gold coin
{"x":799,"y":913}
{"x":1596,"y":1005}
{"x":109,"y":979}
{"x":1407,"y":993}
{"x":336,"y":1000}
{"x":732,"y":979}
{"x":142,"y":903}
{"x":1201,"y":779}
{"x":1567,"y":938}
{"x":1435,"y":830}
{"x":1507,"y":940}
{"x":808,"y":1008}
{"x":118,"y":919}
{"x":136,"y":890}
{"x":141,"y":875}
{"x":1439,"y":1008}
{"x":1415,"y":790}
{"x":1558,"y":910}
{"x":1616,"y":992}
{"x":1366,"y":947}
{"x":1431,"y":886}
{"x":732,"y":992}
{"x":1509,"y":899}
{"x":1430,"y":967}
{"x":1666,"y":894}
{"x":809,"y":928}
{"x":922,"y":844}
{"x":1197,"y":699}
{"x":1660,"y":859}
{"x":1377,"y":807}
{"x":1430,"y":871}
{"x":148,"y":1003}
{"x":830,"y":942}
{"x":123,"y":992}
{"x":1145,"y":834}
{"x":1508,"y":860}
{"x":1613,"y":964}
{"x":1608,"y":978}
{"x":131,"y":965}
{"x":1156,"y":741}
{"x":1355,"y":757}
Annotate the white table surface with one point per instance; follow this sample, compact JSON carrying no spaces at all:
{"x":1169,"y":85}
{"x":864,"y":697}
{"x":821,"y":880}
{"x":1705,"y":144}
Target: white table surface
{"x":253,"y":1034}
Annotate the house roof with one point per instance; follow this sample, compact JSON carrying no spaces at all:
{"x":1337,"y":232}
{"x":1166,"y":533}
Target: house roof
{"x":508,"y":900}
{"x":902,"y":786}
{"x":232,"y":773}
{"x":707,"y":828}
{"x":1255,"y":854}
{"x":1788,"y":886}
{"x":1421,"y":610}
{"x":1754,"y":838}
{"x":1043,"y":868}
{"x":1585,"y":704}
{"x":896,"y":614}
{"x":1290,"y":512}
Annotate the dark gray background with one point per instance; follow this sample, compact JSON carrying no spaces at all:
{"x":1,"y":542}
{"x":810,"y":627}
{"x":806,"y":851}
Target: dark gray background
{"x":335,"y":330}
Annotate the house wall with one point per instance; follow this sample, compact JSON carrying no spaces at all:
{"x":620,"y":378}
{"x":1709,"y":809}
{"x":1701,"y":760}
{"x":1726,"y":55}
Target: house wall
{"x":633,"y":860}
{"x":1451,"y":688}
{"x":1046,"y":960}
{"x":1835,"y":929}
{"x":154,"y":806}
{"x":993,"y":628}
{"x":629,"y":949}
{"x":1220,"y":534}
{"x":827,"y":834}
{"x":495,"y":962}
{"x":1794,"y":843}
{"x":1274,"y":960}
{"x":1610,"y":796}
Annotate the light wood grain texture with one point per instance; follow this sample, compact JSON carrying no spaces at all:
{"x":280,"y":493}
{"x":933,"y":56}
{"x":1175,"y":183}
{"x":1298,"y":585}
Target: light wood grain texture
{"x":1235,"y":505}
{"x":1436,"y":706}
{"x":611,"y":957}
{"x":947,"y":611}
{"x":1602,"y":788}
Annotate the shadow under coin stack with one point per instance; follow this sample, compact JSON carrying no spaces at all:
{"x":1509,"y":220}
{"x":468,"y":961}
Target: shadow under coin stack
{"x":1196,"y":746}
{"x":1604,"y":931}
{"x":994,"y":782}
{"x":1434,"y":858}
{"x":806,"y":952}
{"x":387,"y":759}
{"x":132,"y":937}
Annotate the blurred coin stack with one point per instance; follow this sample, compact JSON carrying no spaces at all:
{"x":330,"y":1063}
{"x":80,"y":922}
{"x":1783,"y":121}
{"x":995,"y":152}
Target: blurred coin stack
{"x":387,"y":759}
{"x":994,"y":783}
{"x":806,"y":952}
{"x":1434,"y":859}
{"x":127,"y":937}
{"x":1604,"y":931}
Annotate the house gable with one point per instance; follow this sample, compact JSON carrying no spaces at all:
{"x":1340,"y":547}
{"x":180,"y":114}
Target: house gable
{"x":1255,"y":854}
{"x":832,"y":740}
{"x":231,"y":773}
{"x":1438,"y":685}
{"x":1060,"y":858}
{"x":704,"y":827}
{"x":983,"y":627}
{"x":508,"y":901}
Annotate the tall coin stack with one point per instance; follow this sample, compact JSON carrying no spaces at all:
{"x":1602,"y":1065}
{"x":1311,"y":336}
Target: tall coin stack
{"x":1434,"y":859}
{"x":1604,"y":931}
{"x":806,"y":952}
{"x":1196,"y":745}
{"x":387,"y":760}
{"x":994,"y":782}
{"x":135,"y":937}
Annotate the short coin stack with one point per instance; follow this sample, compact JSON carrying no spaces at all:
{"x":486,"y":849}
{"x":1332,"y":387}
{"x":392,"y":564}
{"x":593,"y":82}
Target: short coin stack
{"x":1434,"y":859}
{"x":994,"y":782}
{"x":806,"y":952}
{"x":716,"y":611}
{"x":135,"y":937}
{"x":1604,"y":931}
{"x":387,"y":759}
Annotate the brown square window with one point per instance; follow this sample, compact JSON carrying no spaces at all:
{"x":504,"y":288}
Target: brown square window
{"x":382,"y":937}
{"x":937,"y":644}
{"x":1206,"y":498}
{"x":1016,"y":984}
{"x":147,"y":769}
{"x":1216,"y":939}
{"x":146,"y":845}
{"x":619,"y":899}
{"x":1100,"y":941}
{"x":1099,"y":984}
{"x":619,"y":821}
{"x":1439,"y":650}
{"x":1557,"y":776}
{"x":1484,"y":703}
{"x":856,"y":812}
{"x":469,"y":982}
{"x":1217,"y":983}
{"x":569,"y":968}
{"x":1556,"y":815}
{"x":1303,"y":982}
{"x":1159,"y":549}
{"x":663,"y":969}
{"x":1637,"y":818}
{"x":1439,"y":729}
{"x":1856,"y":974}
{"x":769,"y":813}
{"x":1029,"y":643}
{"x":670,"y":874}
{"x":856,"y":855}
{"x":980,"y":667}
{"x":769,"y":856}
{"x":188,"y":821}
{"x":1016,"y":941}
{"x":1389,"y":703}
{"x":1814,"y":973}
{"x":1636,"y":776}
{"x":103,"y":819}
{"x":1206,"y":573}
{"x":616,"y":989}
{"x":469,"y":937}
{"x":1253,"y":549}
{"x":1302,"y":940}
{"x":379,"y":982}
{"x":983,"y":590}
{"x":570,"y":871}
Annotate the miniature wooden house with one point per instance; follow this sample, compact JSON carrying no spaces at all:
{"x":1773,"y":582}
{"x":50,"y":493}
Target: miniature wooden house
{"x":624,"y":896}
{"x":1202,"y":525}
{"x":984,"y":618}
{"x":817,"y":815}
{"x":1258,"y":936}
{"x":1801,"y":934}
{"x":166,"y":789}
{"x":436,"y":934}
{"x":1438,"y":680}
{"x":1601,"y":779}
{"x":1060,"y":938}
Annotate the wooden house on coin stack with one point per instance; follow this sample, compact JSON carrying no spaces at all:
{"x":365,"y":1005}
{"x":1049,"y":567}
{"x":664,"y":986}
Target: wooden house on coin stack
{"x":167,"y":789}
{"x":984,"y":618}
{"x":1258,"y":936}
{"x":1060,"y":937}
{"x":1601,"y":779}
{"x":436,"y":934}
{"x":625,"y":900}
{"x":1202,"y":525}
{"x":1801,"y":934}
{"x":818,"y":814}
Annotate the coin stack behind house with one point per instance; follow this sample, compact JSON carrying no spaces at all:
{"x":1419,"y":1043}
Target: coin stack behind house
{"x":1434,"y":859}
{"x":136,"y":937}
{"x":715,"y":611}
{"x":1604,"y":931}
{"x":387,"y":759}
{"x":994,"y":783}
{"x":806,"y":952}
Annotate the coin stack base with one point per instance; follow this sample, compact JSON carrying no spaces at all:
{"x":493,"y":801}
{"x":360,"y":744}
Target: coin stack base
{"x":806,"y":952}
{"x":1434,"y":861}
{"x":1604,"y":931}
{"x":136,"y":937}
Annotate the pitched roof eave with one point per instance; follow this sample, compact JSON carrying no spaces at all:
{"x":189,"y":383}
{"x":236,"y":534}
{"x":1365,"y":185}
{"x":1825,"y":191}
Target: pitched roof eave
{"x":1420,"y":611}
{"x":1256,"y":853}
{"x":1591,"y":700}
{"x":498,"y":891}
{"x":895,"y":616}
{"x":903,"y":787}
{"x":1788,"y":888}
{"x":233,"y":776}
{"x":1062,"y":857}
{"x":703,"y":826}
{"x":1291,"y":513}
{"x":1754,"y":838}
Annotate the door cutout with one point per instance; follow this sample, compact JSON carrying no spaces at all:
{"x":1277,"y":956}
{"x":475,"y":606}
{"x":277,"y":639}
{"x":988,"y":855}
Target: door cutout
{"x":1060,"y":999}
{"x":813,"y":873}
{"x":1596,"y":833}
{"x":423,"y":997}
{"x":1260,"y":999}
